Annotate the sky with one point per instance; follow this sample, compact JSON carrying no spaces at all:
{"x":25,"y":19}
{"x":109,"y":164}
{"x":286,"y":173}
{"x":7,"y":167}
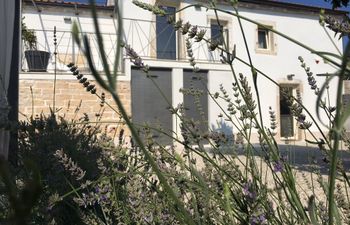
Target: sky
{"x":320,"y":3}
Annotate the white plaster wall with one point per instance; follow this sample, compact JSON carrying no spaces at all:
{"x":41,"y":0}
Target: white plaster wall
{"x":139,"y":31}
{"x":302,"y":27}
{"x":44,"y":22}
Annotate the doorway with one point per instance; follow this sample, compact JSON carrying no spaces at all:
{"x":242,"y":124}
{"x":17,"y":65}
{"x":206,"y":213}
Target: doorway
{"x":288,"y":125}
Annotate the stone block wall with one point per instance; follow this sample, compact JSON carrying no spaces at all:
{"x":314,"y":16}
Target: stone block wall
{"x":36,"y":97}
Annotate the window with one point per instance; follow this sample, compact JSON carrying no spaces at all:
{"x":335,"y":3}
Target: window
{"x":216,"y":33}
{"x":165,"y":36}
{"x":219,"y":33}
{"x":265,"y":41}
{"x":263,"y":38}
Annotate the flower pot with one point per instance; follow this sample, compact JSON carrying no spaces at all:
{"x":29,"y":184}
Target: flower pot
{"x":37,"y":60}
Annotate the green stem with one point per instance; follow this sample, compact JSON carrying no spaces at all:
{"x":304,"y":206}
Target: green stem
{"x":334,"y":152}
{"x":187,"y":217}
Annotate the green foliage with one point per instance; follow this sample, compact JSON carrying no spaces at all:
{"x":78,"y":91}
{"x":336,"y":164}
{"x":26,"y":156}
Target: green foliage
{"x":19,"y":200}
{"x":88,"y":177}
{"x":39,"y":140}
{"x":29,"y":37}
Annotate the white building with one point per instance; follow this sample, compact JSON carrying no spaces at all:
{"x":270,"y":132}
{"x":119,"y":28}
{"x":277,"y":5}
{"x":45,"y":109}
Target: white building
{"x":163,"y":49}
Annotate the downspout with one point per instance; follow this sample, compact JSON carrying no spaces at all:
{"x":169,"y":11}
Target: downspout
{"x":9,"y":59}
{"x":13,"y":90}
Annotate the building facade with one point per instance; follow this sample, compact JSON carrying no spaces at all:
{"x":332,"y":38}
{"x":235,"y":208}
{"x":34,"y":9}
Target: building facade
{"x":163,"y":49}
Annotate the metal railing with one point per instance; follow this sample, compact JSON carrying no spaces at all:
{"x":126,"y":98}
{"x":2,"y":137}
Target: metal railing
{"x":68,"y":51}
{"x":141,"y":35}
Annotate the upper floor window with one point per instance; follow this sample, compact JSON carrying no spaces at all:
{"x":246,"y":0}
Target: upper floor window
{"x":265,"y":40}
{"x":216,"y":33}
{"x":165,"y":36}
{"x":219,"y":32}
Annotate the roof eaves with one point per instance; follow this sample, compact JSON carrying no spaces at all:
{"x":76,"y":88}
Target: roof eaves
{"x":286,"y":5}
{"x":67,"y":4}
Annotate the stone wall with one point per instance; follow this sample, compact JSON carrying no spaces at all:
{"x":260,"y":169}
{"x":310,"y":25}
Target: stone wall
{"x":36,"y":96}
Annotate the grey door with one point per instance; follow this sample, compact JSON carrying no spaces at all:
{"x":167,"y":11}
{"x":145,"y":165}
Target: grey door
{"x":148,"y":105}
{"x":196,"y":98}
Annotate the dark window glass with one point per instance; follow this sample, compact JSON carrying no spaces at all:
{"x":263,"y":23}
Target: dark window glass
{"x":263,"y":37}
{"x":166,"y":36}
{"x":286,"y":117}
{"x":216,"y":34}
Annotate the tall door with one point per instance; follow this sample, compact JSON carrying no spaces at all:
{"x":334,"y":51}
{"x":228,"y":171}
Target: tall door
{"x":149,"y":106}
{"x":165,"y":36}
{"x":196,"y":97}
{"x":287,"y":122}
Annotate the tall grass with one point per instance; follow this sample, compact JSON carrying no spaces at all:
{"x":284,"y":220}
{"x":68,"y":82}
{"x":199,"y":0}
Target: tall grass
{"x":237,"y":191}
{"x":150,"y":183}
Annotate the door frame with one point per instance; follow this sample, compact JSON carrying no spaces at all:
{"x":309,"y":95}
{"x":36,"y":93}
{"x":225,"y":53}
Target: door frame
{"x":296,"y":85}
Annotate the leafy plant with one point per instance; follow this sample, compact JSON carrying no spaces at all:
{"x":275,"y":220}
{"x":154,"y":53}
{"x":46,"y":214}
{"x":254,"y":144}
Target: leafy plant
{"x":29,"y":37}
{"x":90,"y":178}
{"x":231,"y":195}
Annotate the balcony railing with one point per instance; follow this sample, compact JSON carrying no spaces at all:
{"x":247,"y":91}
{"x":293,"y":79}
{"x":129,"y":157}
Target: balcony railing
{"x":68,"y":51}
{"x":142,"y":35}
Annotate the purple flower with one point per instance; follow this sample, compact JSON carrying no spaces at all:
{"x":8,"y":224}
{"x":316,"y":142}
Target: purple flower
{"x":248,"y":192}
{"x":134,"y":57}
{"x":103,"y":198}
{"x":257,"y":220}
{"x":278,"y":166}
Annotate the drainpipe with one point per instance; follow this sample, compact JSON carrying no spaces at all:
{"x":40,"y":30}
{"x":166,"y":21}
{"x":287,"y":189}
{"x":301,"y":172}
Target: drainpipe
{"x":13,"y":92}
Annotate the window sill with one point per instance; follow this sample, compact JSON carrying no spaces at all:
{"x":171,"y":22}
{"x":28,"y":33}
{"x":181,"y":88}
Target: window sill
{"x":265,"y":51}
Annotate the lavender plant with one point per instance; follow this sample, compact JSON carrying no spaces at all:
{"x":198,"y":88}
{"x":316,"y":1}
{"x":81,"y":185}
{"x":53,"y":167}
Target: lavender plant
{"x":195,"y":186}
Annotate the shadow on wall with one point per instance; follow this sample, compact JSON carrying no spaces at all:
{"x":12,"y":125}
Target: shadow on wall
{"x":223,"y":128}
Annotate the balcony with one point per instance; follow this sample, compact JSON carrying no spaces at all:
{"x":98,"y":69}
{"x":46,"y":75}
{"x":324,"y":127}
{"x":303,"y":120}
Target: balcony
{"x":157,"y":40}
{"x":68,"y":51}
{"x":148,"y":38}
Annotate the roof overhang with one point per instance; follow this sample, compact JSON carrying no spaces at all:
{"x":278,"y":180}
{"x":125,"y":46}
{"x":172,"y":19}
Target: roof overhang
{"x":282,"y":7}
{"x":61,"y":3}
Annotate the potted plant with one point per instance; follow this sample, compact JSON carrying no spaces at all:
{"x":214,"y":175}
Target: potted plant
{"x":37,"y":60}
